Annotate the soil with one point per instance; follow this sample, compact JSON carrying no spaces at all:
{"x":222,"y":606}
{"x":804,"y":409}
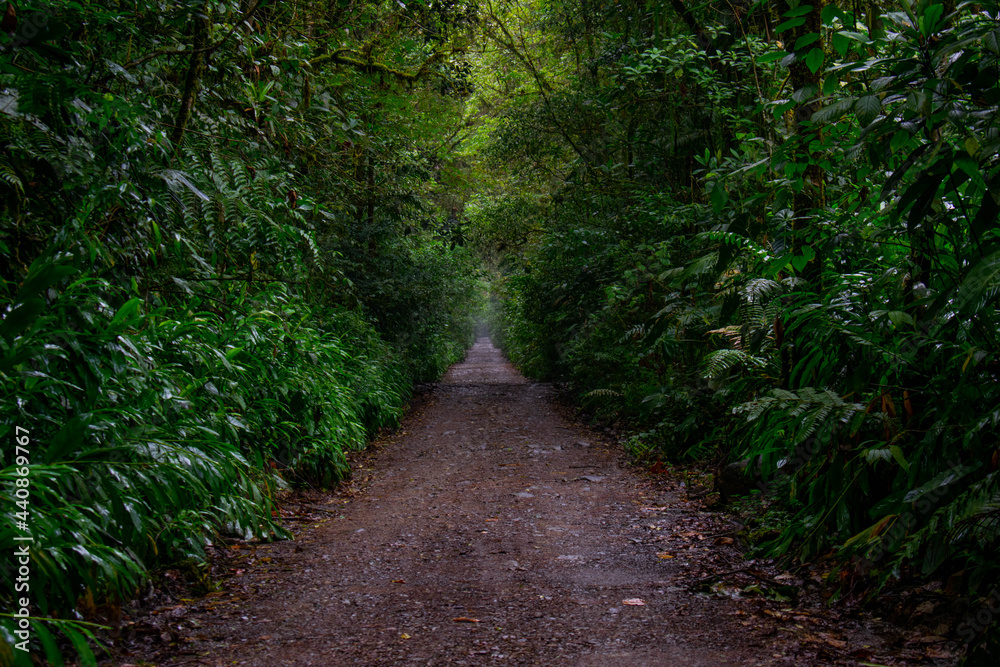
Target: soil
{"x":493,"y":529}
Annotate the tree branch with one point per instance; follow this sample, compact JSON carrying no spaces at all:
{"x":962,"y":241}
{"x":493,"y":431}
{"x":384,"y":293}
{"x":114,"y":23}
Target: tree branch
{"x":356,"y":60}
{"x":202,"y":50}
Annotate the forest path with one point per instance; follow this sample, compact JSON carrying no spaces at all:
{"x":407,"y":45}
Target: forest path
{"x":492,"y":531}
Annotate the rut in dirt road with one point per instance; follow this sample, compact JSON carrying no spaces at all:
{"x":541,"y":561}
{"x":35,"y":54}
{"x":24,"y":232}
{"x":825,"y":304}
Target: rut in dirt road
{"x":493,"y":531}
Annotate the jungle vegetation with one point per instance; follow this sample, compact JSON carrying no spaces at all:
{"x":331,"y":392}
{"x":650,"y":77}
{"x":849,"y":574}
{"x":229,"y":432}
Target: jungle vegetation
{"x":236,"y":233}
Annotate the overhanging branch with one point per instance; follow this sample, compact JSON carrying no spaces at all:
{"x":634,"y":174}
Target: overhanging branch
{"x":354,"y":59}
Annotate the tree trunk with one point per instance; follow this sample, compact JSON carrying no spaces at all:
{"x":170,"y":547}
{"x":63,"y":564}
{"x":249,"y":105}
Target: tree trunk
{"x":196,"y":64}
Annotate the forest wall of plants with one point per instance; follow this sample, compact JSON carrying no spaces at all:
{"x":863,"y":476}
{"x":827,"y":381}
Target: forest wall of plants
{"x":769,"y":231}
{"x":229,"y":249}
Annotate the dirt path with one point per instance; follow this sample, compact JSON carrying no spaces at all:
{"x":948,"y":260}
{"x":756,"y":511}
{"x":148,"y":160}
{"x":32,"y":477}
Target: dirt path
{"x":492,"y":530}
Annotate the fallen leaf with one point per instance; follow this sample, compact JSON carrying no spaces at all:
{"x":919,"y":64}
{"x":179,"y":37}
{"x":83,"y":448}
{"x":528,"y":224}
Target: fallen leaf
{"x":465,"y":619}
{"x":723,"y":540}
{"x":928,"y":639}
{"x":937,"y":654}
{"x":398,"y":581}
{"x":634,"y":602}
{"x":404,"y":636}
{"x":664,"y":555}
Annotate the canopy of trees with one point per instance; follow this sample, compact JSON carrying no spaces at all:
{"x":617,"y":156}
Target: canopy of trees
{"x":236,"y":233}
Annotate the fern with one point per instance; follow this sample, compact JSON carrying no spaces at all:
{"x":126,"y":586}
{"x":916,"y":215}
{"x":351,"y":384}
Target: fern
{"x":603,"y":392}
{"x":801,"y":412}
{"x":720,"y":363}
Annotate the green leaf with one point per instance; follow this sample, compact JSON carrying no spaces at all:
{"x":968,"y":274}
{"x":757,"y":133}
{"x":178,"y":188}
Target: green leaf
{"x":801,"y":10}
{"x":940,"y":481}
{"x":931,"y":20}
{"x":980,"y":286}
{"x":126,"y":313}
{"x":43,"y":277}
{"x":897,"y":454}
{"x":992,"y":41}
{"x":79,"y":641}
{"x":899,"y":318}
{"x":805,"y":40}
{"x":805,"y":93}
{"x":52,"y":653}
{"x":718,"y":196}
{"x":937,"y":552}
{"x":789,"y":24}
{"x":840,"y":43}
{"x":987,"y":216}
{"x":831,"y":12}
{"x":68,"y":439}
{"x":867,"y":108}
{"x":771,"y":57}
{"x":779,"y":109}
{"x":814,"y":60}
{"x":21,"y":318}
{"x":799,"y":262}
{"x":855,"y":36}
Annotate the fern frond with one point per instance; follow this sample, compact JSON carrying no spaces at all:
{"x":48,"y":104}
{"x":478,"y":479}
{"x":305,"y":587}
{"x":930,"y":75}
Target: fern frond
{"x":803,"y":412}
{"x":603,"y":392}
{"x":636,"y":332}
{"x":721,"y":362}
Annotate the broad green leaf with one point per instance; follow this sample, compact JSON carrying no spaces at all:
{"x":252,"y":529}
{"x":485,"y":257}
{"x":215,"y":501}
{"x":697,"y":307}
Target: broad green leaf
{"x":42,"y":277}
{"x":930,"y":21}
{"x":980,"y":286}
{"x":719,"y":196}
{"x":841,"y":43}
{"x":801,"y":10}
{"x":68,"y":439}
{"x":867,"y":108}
{"x":814,"y":59}
{"x":940,"y":482}
{"x":21,"y":318}
{"x":806,"y":40}
{"x":789,"y":24}
{"x":799,"y":262}
{"x":771,"y":57}
{"x":126,"y":313}
{"x":830,"y":13}
{"x":855,"y":36}
{"x":899,"y":318}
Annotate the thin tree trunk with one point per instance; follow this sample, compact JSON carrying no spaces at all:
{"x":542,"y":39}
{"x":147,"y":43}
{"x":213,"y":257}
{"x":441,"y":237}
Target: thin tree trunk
{"x":196,"y":64}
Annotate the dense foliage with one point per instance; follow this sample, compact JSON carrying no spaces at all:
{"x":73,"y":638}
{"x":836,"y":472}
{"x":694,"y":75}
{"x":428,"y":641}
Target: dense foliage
{"x":768,"y":232}
{"x":228,"y":253}
{"x":235,"y":234}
